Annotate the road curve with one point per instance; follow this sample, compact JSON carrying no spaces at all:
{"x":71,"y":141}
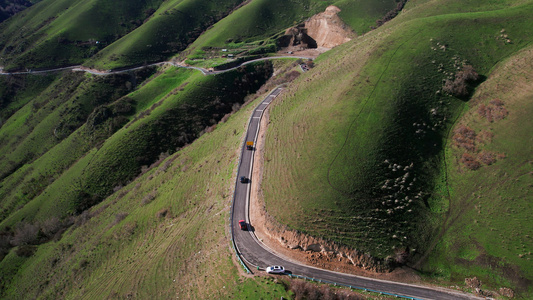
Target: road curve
{"x":256,"y":254}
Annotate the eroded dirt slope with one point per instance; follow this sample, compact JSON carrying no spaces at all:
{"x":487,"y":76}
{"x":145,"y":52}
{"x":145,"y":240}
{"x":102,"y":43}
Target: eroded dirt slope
{"x":320,"y":33}
{"x":327,"y":29}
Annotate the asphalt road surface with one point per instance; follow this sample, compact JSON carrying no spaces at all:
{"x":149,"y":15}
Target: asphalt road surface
{"x":256,"y":254}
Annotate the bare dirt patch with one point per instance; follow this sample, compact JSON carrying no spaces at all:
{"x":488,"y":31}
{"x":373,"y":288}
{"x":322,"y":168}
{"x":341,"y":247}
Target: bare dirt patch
{"x":317,"y":35}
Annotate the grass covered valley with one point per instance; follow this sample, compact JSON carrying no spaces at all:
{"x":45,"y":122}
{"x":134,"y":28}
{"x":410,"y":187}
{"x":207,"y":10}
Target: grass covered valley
{"x":408,"y":144}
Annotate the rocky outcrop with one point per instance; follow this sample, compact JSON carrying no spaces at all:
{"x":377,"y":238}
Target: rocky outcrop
{"x":324,"y":30}
{"x":507,"y":292}
{"x":476,"y":285}
{"x":297,"y":39}
{"x":327,"y":29}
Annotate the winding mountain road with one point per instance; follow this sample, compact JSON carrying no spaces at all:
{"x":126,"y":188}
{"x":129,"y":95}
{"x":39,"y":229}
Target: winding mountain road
{"x":257,"y":255}
{"x":80,"y":68}
{"x":247,"y":246}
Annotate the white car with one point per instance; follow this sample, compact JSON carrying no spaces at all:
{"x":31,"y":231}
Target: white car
{"x":275,"y":270}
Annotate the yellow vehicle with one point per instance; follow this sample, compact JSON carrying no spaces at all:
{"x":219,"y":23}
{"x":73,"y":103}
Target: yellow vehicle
{"x":249,"y":145}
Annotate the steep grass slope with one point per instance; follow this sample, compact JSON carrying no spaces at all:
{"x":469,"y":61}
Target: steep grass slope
{"x":172,"y":28}
{"x":43,"y":138}
{"x":87,"y":175}
{"x":487,"y":232}
{"x":67,"y":33}
{"x":104,"y":199}
{"x":162,"y":236}
{"x":254,"y":27}
{"x":70,"y":140}
{"x":257,"y":21}
{"x":16,"y":91}
{"x":59,"y":32}
{"x":361,"y":16}
{"x":355,"y":151}
{"x":10,"y":7}
{"x":110,"y":35}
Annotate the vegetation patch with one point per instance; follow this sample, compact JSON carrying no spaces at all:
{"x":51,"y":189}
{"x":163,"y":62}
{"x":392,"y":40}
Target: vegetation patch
{"x":119,"y":186}
{"x":184,"y":254}
{"x":362,"y":162}
{"x":46,"y":135}
{"x":487,"y":231}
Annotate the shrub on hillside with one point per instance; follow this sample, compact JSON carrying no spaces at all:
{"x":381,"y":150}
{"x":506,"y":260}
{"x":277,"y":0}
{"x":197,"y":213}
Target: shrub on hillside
{"x":51,"y":226}
{"x":25,"y":250}
{"x":487,"y":157}
{"x":162,"y":213}
{"x":465,"y":137}
{"x":291,"y":76}
{"x":10,"y":8}
{"x":84,"y":201}
{"x":484,"y":137}
{"x":119,"y":217}
{"x":459,"y":87}
{"x":391,"y":14}
{"x":470,"y":161}
{"x":5,"y":238}
{"x":309,"y":291}
{"x":123,"y":106}
{"x":25,"y":234}
{"x":126,"y":231}
{"x":149,"y":197}
{"x":494,"y":111}
{"x":401,"y":255}
{"x":81,"y":219}
{"x":5,"y":245}
{"x":467,"y":74}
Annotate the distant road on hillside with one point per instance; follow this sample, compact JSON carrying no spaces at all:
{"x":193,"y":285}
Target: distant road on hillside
{"x":80,"y":68}
{"x":256,"y":254}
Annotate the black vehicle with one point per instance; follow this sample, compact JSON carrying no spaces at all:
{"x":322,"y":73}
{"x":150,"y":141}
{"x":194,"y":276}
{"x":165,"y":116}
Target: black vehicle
{"x":244,"y":179}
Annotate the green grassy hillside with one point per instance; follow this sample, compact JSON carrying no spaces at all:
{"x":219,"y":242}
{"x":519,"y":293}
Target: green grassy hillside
{"x":162,"y":236}
{"x":43,"y":137}
{"x":110,"y":35}
{"x":167,"y":226}
{"x":10,"y":7}
{"x":410,"y":143}
{"x":17,"y":91}
{"x":190,"y":104}
{"x":487,"y":231}
{"x":94,"y":167}
{"x":355,"y":150}
{"x":254,"y":27}
{"x":59,"y":32}
{"x":172,"y":28}
{"x":362,"y":15}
